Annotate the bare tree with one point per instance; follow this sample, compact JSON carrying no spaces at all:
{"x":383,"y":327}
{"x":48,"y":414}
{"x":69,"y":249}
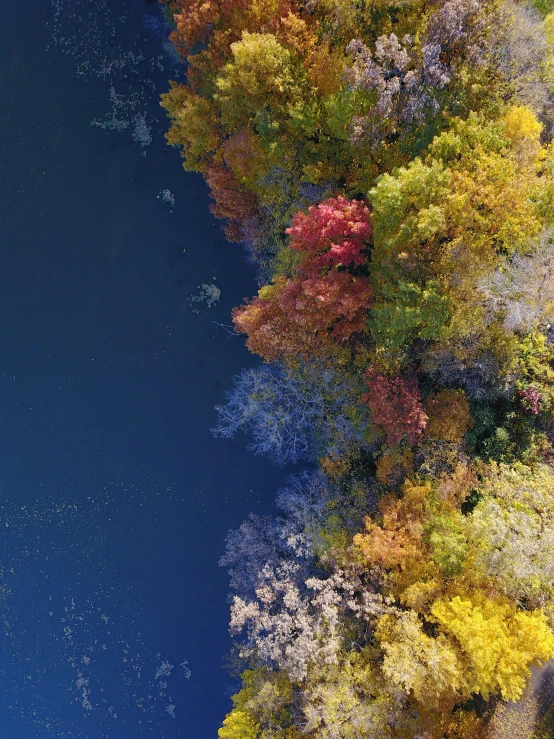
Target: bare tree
{"x":522,"y":289}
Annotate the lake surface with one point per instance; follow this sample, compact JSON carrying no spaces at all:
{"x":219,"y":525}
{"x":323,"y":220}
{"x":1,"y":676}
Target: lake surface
{"x":114,"y":497}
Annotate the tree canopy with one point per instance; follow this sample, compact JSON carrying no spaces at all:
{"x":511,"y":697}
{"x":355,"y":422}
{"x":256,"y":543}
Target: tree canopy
{"x":389,"y":165}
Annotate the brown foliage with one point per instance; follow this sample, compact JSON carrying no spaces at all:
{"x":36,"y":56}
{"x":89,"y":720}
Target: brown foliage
{"x":231,"y":202}
{"x":397,"y":544}
{"x":304,"y":317}
{"x":449,"y":416}
{"x":395,"y":406}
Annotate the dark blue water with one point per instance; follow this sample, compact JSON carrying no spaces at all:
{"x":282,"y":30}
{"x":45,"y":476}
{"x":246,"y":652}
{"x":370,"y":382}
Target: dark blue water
{"x":114,"y":497}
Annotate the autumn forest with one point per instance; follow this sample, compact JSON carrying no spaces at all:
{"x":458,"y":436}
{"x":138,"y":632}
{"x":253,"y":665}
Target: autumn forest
{"x":388,"y":167}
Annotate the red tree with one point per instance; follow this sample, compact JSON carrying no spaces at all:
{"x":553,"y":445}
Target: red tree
{"x":323,"y":304}
{"x":395,"y":406}
{"x":334,"y":233}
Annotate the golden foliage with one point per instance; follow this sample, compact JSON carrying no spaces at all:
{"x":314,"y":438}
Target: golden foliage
{"x":449,"y":415}
{"x":500,"y":642}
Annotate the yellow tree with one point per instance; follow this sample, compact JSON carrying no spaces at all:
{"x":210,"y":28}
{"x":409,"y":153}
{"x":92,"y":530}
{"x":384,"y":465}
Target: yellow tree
{"x":239,"y":725}
{"x":500,"y":642}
